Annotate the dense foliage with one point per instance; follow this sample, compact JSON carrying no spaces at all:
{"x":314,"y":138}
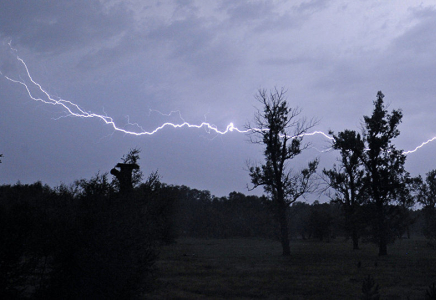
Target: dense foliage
{"x":85,"y":241}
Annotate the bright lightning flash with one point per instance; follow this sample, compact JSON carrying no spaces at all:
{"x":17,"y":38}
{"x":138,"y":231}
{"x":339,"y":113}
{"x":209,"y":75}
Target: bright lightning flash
{"x":75,"y":110}
{"x":420,"y":146}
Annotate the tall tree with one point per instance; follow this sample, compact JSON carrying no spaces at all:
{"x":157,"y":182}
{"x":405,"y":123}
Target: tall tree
{"x":347,"y":179}
{"x":384,"y":164}
{"x":279,"y":128}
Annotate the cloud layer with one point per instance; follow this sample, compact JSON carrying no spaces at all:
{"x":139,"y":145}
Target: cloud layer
{"x":206,"y":60}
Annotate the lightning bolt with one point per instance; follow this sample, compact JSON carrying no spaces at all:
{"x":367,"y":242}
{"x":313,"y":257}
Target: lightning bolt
{"x":420,"y":146}
{"x":74,"y":110}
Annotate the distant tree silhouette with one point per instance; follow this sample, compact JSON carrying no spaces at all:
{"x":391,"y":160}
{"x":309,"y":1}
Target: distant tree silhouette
{"x":320,"y":221}
{"x":407,"y":198}
{"x":300,"y":213}
{"x":124,"y":176}
{"x":347,"y":179}
{"x":106,"y":251}
{"x":160,"y":204}
{"x":279,"y":129}
{"x":427,"y":197}
{"x":199,"y":214}
{"x":384,"y":165}
{"x":132,"y":158}
{"x":128,"y":174}
{"x":95,"y":188}
{"x":27,"y":229}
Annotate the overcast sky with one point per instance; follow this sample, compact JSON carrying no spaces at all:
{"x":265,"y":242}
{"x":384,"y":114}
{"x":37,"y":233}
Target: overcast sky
{"x":206,"y":60}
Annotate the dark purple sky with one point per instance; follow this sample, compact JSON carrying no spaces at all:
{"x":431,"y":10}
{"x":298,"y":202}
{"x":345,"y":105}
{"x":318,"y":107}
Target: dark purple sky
{"x":206,"y":60}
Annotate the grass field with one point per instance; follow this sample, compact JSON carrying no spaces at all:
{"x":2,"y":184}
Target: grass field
{"x":255,"y":269}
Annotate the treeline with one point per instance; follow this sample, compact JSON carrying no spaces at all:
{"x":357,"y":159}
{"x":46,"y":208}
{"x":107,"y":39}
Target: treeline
{"x":89,"y":241}
{"x":201,"y":215}
{"x":84,"y":241}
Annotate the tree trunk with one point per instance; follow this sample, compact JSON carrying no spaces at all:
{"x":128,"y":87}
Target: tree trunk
{"x":284,"y":233}
{"x":382,"y":234}
{"x":285,"y":242}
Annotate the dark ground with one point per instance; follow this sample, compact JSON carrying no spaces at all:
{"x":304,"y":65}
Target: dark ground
{"x":255,"y":269}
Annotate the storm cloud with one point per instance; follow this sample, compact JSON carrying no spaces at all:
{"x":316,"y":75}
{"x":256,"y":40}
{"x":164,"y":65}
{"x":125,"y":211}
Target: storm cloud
{"x":205,"y":60}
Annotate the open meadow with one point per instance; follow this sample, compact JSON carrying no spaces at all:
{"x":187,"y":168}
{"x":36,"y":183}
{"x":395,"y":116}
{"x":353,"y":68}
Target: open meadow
{"x":255,"y":269}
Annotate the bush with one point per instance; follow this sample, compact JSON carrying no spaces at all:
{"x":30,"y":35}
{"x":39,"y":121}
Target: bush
{"x":82,"y":242}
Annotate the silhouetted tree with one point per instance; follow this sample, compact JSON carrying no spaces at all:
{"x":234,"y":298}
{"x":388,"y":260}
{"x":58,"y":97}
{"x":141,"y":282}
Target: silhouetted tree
{"x":300,"y":214}
{"x":427,"y":197}
{"x":347,"y":179}
{"x":132,"y":158}
{"x":320,"y":221}
{"x":106,"y":249}
{"x":84,"y":241}
{"x":128,"y":175}
{"x":279,"y":129}
{"x":384,"y":164}
{"x":407,"y":198}
{"x":94,"y":189}
{"x":200,"y":214}
{"x":246,"y":216}
{"x":26,"y":238}
{"x":160,"y":206}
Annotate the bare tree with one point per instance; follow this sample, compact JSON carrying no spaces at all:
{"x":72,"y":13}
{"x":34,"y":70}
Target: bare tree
{"x":279,"y":128}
